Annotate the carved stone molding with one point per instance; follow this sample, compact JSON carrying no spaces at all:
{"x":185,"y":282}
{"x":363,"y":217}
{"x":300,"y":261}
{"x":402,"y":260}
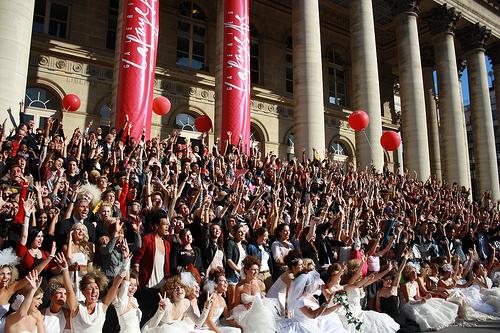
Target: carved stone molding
{"x":443,"y":19}
{"x":474,"y":36}
{"x":427,"y":53}
{"x":263,"y":107}
{"x":77,"y":70}
{"x":405,"y":6}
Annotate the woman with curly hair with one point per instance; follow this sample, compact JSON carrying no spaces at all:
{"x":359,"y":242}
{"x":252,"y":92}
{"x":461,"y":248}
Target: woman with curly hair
{"x":89,"y":315}
{"x":79,"y":253}
{"x":175,"y":312}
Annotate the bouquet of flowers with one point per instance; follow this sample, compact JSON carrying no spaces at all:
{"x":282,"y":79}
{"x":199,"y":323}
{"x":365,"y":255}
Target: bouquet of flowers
{"x":341,"y":298}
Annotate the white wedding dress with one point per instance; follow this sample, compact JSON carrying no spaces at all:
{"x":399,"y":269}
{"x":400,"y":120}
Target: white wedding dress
{"x":300,"y":323}
{"x":435,"y":314}
{"x":372,"y":321}
{"x":129,"y":320}
{"x":215,"y":318}
{"x":472,"y":306}
{"x":260,"y":318}
{"x":278,"y":292}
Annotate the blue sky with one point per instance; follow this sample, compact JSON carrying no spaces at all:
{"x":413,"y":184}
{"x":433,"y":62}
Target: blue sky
{"x":465,"y":81}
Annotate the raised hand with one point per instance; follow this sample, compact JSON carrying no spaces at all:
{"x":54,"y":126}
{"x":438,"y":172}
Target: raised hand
{"x":164,"y":302}
{"x":61,"y":261}
{"x":38,"y":187}
{"x":29,"y":205}
{"x":33,"y":280}
{"x":53,"y":250}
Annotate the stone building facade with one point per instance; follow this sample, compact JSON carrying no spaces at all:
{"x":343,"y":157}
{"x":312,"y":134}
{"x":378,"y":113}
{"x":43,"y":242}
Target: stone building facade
{"x":311,"y":60}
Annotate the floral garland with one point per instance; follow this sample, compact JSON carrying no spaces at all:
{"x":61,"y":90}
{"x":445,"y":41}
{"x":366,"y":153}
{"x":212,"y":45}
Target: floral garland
{"x":341,"y":298}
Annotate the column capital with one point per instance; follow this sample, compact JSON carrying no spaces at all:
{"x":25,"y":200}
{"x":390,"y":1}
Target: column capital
{"x":443,"y":19}
{"x":461,"y":65}
{"x":405,"y":6}
{"x":427,"y":54}
{"x":474,"y":36}
{"x":493,"y":51}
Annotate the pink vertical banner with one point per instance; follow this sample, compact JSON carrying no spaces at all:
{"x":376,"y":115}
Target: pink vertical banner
{"x":236,"y":72}
{"x":136,"y":74}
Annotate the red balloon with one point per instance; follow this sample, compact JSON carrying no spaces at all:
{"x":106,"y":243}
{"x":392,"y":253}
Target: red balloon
{"x":203,"y":123}
{"x":390,"y":140}
{"x":71,"y":102}
{"x":358,"y":120}
{"x":161,"y":105}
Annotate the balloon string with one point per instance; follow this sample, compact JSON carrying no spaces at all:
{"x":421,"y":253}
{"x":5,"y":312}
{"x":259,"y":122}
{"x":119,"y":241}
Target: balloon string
{"x":368,"y":140}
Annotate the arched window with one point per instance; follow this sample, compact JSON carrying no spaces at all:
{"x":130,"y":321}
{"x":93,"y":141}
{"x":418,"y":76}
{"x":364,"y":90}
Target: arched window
{"x":255,"y":134}
{"x":339,"y":149}
{"x":336,"y":79}
{"x":289,"y":64}
{"x":40,"y":104}
{"x":191,"y":31}
{"x":37,"y":97}
{"x":254,"y":56}
{"x":185,"y":122}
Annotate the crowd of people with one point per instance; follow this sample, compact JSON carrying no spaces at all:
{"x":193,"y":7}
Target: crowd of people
{"x":104,"y":232}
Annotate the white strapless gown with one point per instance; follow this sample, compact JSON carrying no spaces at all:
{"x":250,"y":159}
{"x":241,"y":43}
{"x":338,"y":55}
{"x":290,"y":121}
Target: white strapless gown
{"x":260,"y":318}
{"x":372,"y":321}
{"x":300,"y":323}
{"x":475,"y":303}
{"x":433,"y":315}
{"x":224,"y":329}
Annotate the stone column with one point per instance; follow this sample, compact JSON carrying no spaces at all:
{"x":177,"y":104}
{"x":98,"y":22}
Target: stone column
{"x":16,"y":17}
{"x":431,"y":109}
{"x":412,"y":89}
{"x":219,"y":47}
{"x":365,"y":83}
{"x":116,"y":66}
{"x":474,"y":39}
{"x":308,"y":112}
{"x":461,"y":65}
{"x":453,"y":137}
{"x":494,"y":54}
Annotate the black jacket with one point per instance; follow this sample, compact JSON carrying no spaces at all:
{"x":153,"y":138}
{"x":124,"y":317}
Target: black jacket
{"x":232,"y":252}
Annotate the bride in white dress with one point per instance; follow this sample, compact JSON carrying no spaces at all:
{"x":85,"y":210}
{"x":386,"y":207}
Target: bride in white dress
{"x":216,"y":287}
{"x":89,"y":315}
{"x":371,"y":321}
{"x":307,"y":316}
{"x":127,"y":308}
{"x":175,"y":312}
{"x":27,"y":318}
{"x":479,"y":301}
{"x":429,"y":313}
{"x":278,"y":290}
{"x":253,"y":312}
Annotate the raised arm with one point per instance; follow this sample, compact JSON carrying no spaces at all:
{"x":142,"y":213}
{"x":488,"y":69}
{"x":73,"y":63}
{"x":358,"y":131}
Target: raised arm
{"x":34,"y":283}
{"x":72,"y":301}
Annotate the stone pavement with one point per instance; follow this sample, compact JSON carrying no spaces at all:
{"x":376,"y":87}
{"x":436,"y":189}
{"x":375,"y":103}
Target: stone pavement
{"x":483,"y":327}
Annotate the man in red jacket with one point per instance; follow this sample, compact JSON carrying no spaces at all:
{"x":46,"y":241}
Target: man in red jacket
{"x":152,"y":263}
